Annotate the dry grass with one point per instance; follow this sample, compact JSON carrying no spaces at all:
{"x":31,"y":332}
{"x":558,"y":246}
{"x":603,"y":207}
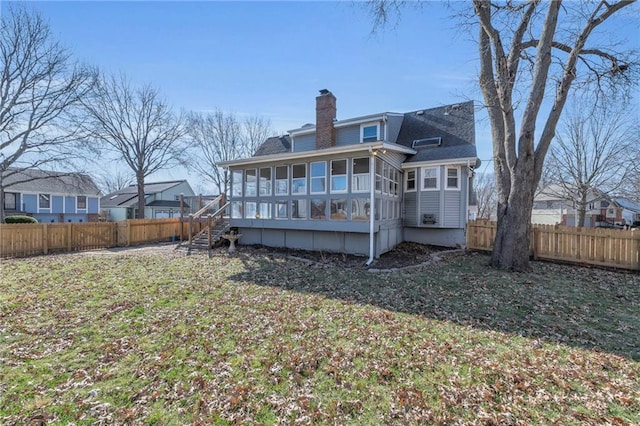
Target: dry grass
{"x":259,"y":339}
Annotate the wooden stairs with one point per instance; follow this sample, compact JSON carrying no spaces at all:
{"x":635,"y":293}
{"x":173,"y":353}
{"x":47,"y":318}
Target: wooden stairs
{"x":213,"y":225}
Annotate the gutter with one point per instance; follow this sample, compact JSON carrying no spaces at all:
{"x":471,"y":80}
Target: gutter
{"x":372,"y":216}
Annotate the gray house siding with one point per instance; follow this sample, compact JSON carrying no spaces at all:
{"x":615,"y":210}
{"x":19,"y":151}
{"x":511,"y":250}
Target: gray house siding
{"x":304,"y":143}
{"x":451,"y":215}
{"x":429,"y":203}
{"x":348,"y":136}
{"x":410,"y":209}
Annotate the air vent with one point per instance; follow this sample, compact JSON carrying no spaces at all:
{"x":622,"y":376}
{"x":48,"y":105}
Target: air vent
{"x":418,"y":143}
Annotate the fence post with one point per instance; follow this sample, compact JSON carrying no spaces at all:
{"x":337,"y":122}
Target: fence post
{"x":536,"y":243}
{"x":45,"y":238}
{"x":128,"y":232}
{"x":69,"y":236}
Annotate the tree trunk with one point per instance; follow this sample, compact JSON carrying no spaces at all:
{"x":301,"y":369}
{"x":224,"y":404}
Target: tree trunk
{"x":141,"y":203}
{"x":2,"y":202}
{"x":511,"y":247}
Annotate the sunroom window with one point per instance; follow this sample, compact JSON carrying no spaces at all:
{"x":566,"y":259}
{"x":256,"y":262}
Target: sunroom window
{"x":250,"y":188}
{"x":236,"y":183}
{"x":361,"y":180}
{"x":282,"y":209}
{"x":299,"y":209}
{"x":282,"y":180}
{"x":265,"y":181}
{"x":338,"y":176}
{"x":319,"y":177}
{"x":299,"y":179}
{"x":360,"y":209}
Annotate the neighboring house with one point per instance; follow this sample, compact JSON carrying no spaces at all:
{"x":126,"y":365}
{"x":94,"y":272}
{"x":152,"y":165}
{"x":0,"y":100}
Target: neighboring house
{"x":162,"y":200}
{"x":359,"y":185}
{"x":51,"y":196}
{"x":553,"y":205}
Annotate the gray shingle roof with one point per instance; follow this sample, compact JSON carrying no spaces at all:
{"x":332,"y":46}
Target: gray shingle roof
{"x":127,"y":197}
{"x":43,"y":181}
{"x":274,"y":145}
{"x":455,"y":124}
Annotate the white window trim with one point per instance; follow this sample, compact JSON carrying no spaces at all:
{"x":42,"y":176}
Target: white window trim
{"x":86,"y":203}
{"x":370,"y":124}
{"x":311,"y":177}
{"x":346,"y":177}
{"x":47,"y":209}
{"x":446,"y":184}
{"x":422,"y":174}
{"x":415,"y":180}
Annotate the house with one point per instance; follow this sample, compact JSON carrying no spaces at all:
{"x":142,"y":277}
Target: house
{"x":554,"y":204}
{"x":162,"y":200}
{"x":51,"y":196}
{"x":359,"y":185}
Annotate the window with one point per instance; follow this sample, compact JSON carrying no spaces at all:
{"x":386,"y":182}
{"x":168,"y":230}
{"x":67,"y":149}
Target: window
{"x":44,"y":201}
{"x":299,"y":179}
{"x":81,"y":202}
{"x":265,"y":211}
{"x":250,"y":188}
{"x":282,"y":180}
{"x":386,"y":183}
{"x":410,"y":181}
{"x":430,"y":178}
{"x":360,"y":209}
{"x":319,"y":177}
{"x":453,"y":178}
{"x":236,"y":183}
{"x":339,"y":209}
{"x":318,"y":209}
{"x":378,"y":175}
{"x":299,"y":209}
{"x":236,"y":210}
{"x":250,"y":210}
{"x":282,"y":210}
{"x":339,"y":176}
{"x":361,"y":177}
{"x":265,"y":181}
{"x":10,"y":201}
{"x":369,"y":132}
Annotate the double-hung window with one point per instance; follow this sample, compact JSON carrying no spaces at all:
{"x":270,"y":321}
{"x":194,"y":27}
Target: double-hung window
{"x":44,"y":201}
{"x":410,"y":180}
{"x":453,"y":178}
{"x":10,"y":201}
{"x":81,"y":202}
{"x":338,"y":176}
{"x":430,"y":180}
{"x":369,"y":132}
{"x":319,"y":177}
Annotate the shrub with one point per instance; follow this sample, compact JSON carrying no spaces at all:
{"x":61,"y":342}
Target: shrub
{"x":20,"y":219}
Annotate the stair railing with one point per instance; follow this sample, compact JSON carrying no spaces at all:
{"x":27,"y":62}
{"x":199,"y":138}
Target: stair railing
{"x":211,"y":220}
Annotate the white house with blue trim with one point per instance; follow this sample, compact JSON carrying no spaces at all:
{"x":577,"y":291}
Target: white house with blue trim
{"x":359,"y":185}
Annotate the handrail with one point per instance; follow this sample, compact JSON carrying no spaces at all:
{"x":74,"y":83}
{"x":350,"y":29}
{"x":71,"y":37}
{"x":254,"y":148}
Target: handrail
{"x":208,"y":206}
{"x":221,"y":209}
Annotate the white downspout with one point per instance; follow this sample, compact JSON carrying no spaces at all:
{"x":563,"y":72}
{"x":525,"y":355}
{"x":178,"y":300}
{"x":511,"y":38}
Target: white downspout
{"x":372,"y":216}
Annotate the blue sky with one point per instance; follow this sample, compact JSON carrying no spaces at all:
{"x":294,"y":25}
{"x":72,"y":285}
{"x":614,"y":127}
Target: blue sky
{"x":271,"y":58}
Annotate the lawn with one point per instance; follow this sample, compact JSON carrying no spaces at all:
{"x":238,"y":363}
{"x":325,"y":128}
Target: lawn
{"x":261,"y":339}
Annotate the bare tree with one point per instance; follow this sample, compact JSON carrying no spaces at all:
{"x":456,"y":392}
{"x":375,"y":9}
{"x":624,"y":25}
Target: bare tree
{"x":484,"y":185}
{"x":115,"y":180}
{"x":532,"y":53}
{"x":220,"y":136}
{"x":40,"y":88}
{"x":138,"y":126}
{"x":591,"y":155}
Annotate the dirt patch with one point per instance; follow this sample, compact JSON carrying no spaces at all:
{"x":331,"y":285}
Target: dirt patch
{"x":404,"y":255}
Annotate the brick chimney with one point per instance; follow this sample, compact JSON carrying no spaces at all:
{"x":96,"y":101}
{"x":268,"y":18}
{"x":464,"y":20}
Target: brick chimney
{"x":325,"y":114}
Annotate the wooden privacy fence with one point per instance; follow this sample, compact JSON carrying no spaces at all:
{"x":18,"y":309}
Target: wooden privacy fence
{"x":30,"y":239}
{"x":614,"y":248}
